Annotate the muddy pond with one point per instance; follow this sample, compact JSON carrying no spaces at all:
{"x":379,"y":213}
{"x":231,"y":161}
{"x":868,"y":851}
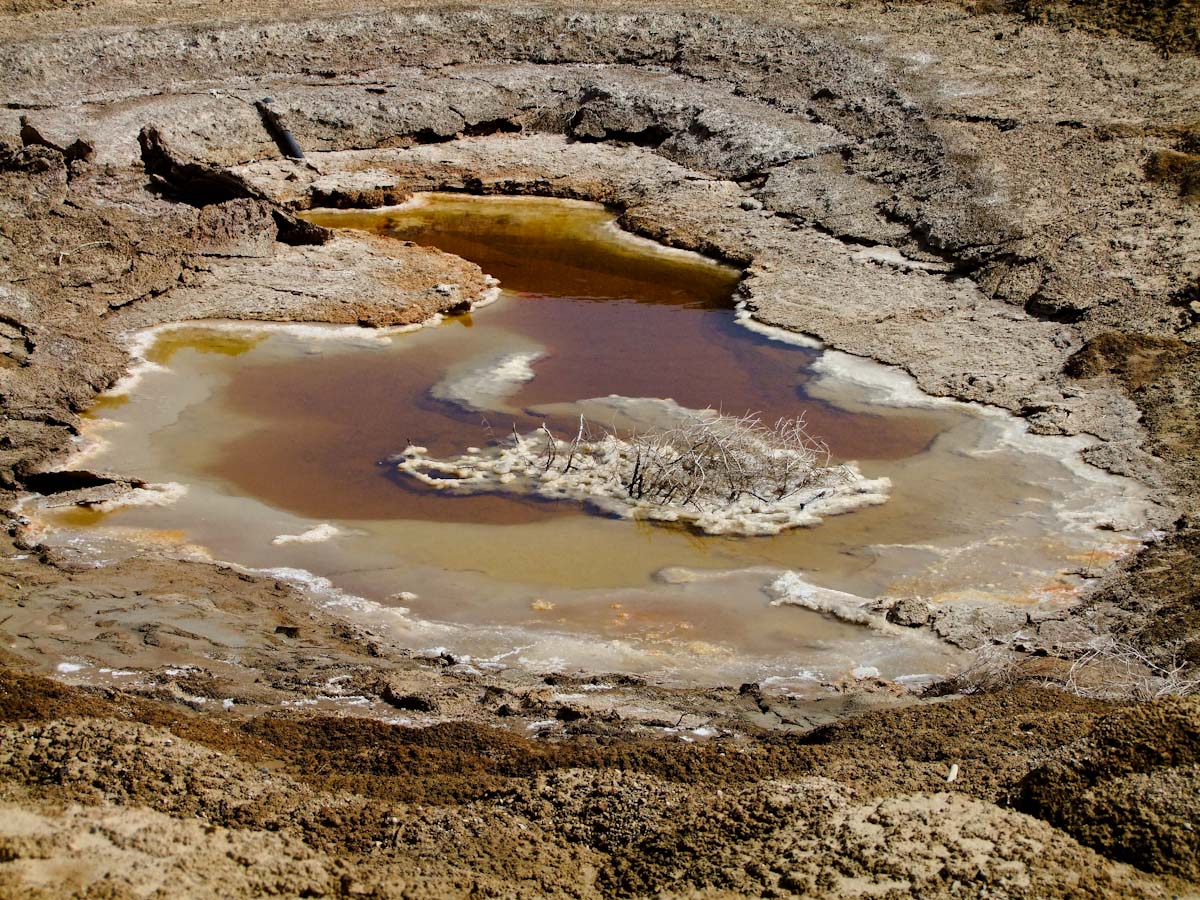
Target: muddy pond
{"x":274,"y":447}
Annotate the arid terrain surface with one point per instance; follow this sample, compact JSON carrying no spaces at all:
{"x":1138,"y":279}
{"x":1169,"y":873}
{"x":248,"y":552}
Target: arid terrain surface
{"x":1033,"y":170}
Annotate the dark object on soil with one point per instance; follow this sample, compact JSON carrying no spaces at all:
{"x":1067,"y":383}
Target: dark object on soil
{"x":569,"y":714}
{"x":411,"y":702}
{"x":290,"y":631}
{"x":273,"y":122}
{"x":298,"y":232}
{"x":64,"y":480}
{"x":1175,"y":167}
{"x":1137,"y":359}
{"x":359,"y":198}
{"x":1168,"y":24}
{"x":910,"y":612}
{"x":30,"y":158}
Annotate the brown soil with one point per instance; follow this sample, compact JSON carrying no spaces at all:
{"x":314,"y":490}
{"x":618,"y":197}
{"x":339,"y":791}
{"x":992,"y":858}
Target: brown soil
{"x":636,"y":816}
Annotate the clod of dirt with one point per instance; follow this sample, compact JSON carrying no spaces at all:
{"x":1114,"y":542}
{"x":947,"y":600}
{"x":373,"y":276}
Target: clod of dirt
{"x":396,"y":696}
{"x":1130,"y":788}
{"x":1178,"y":168}
{"x":78,"y":150}
{"x":910,"y":612}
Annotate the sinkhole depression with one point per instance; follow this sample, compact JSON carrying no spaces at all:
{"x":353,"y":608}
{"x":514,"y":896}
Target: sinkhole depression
{"x":347,"y":458}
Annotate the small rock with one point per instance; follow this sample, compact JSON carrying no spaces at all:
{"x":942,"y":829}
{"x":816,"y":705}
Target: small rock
{"x":750,"y":204}
{"x":569,"y":714}
{"x":291,"y":631}
{"x":911,"y":612}
{"x":396,"y":697}
{"x":972,"y":626}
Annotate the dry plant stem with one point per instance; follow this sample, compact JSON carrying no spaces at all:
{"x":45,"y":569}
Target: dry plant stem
{"x":1109,"y":668}
{"x":715,"y":458}
{"x":1102,"y":668}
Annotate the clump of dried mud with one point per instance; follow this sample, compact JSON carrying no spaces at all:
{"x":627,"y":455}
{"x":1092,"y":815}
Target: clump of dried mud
{"x":228,"y":736}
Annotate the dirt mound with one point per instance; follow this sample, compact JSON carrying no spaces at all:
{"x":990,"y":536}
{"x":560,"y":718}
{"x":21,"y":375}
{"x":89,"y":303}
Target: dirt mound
{"x":456,"y":809}
{"x":571,"y":832}
{"x":1168,"y":24}
{"x":1129,"y":789}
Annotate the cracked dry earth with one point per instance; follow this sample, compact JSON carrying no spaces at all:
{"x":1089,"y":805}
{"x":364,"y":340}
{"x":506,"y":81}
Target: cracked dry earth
{"x":1007,"y":211}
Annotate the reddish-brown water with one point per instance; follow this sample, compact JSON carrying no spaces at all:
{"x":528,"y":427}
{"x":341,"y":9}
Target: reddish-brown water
{"x":613,"y":317}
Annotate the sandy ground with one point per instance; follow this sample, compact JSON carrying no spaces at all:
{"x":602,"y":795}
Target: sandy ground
{"x":213,"y":732}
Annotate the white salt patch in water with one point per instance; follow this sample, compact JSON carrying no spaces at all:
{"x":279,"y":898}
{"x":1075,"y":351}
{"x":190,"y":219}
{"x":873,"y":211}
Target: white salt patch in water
{"x":127,"y":383}
{"x":489,"y":296}
{"x":791,"y":589}
{"x":314,"y":535}
{"x":647,"y":245}
{"x":150,"y":495}
{"x":1103,"y":500}
{"x":91,"y":442}
{"x":743,"y":317}
{"x":486,"y":386}
{"x":330,"y":596}
{"x":67,"y":668}
{"x":140,"y":343}
{"x":595,"y":478}
{"x":874,"y":383}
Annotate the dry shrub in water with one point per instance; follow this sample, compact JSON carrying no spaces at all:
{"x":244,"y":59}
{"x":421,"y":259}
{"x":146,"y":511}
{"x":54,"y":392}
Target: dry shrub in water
{"x":708,"y":460}
{"x":720,"y":474}
{"x":721,"y":459}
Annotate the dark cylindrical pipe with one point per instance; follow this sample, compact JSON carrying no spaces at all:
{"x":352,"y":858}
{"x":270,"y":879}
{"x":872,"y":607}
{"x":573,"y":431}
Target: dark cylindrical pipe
{"x":283,"y":138}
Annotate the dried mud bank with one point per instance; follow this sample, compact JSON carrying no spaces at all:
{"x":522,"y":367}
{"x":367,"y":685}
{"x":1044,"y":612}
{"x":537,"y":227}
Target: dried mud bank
{"x":896,"y":184}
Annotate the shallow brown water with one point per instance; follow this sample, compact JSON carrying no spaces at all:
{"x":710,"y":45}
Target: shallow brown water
{"x":279,"y":432}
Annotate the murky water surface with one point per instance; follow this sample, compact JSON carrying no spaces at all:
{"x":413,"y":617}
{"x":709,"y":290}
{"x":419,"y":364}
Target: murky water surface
{"x":282,"y":438}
